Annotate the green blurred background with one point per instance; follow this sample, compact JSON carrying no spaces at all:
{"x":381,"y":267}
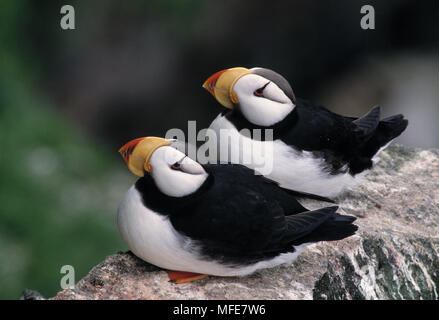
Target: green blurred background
{"x":70,"y":98}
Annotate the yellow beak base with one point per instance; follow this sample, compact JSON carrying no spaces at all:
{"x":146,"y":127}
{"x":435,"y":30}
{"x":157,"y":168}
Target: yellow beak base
{"x":220,"y":85}
{"x":137,"y":153}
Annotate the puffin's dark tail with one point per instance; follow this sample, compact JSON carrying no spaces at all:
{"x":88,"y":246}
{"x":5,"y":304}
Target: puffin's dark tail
{"x":372,"y":135}
{"x":335,"y":227}
{"x":387,"y":130}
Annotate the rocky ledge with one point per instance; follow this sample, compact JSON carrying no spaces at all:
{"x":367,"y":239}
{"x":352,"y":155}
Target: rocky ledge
{"x":394,"y":255}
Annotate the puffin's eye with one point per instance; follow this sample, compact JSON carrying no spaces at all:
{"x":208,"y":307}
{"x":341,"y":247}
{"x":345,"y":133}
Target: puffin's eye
{"x":176,"y":166}
{"x":260,"y":92}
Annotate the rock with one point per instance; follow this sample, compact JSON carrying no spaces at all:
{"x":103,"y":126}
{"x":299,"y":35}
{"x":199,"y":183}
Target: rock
{"x":394,"y":255}
{"x":29,"y":294}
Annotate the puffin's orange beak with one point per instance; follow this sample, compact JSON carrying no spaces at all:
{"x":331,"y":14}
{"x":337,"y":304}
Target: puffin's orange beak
{"x":137,"y":153}
{"x":220,"y":85}
{"x":210,"y":83}
{"x":127,"y":149}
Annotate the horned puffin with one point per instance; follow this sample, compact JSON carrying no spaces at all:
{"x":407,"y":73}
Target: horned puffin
{"x":197,"y":220}
{"x":313,"y":149}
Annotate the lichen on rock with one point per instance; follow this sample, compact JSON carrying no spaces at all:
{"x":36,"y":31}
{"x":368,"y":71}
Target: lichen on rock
{"x":394,"y":255}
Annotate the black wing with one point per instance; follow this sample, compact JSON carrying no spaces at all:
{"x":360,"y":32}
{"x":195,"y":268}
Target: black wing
{"x":314,"y":128}
{"x":353,"y":137}
{"x":237,"y":223}
{"x":342,"y":140}
{"x":366,"y":125}
{"x":300,"y":194}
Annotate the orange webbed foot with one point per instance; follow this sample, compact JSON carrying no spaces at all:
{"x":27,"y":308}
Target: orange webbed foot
{"x":183,"y":276}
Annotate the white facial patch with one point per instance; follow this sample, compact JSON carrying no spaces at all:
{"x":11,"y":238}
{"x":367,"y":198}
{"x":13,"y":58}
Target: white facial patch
{"x":176,"y":183}
{"x":264,"y":110}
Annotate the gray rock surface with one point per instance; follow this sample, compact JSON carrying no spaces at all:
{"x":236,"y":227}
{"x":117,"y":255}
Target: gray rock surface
{"x":394,"y":255}
{"x":29,"y":294}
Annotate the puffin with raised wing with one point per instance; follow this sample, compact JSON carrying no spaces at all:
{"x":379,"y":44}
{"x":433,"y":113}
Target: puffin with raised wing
{"x":312,"y":149}
{"x":196,"y":220}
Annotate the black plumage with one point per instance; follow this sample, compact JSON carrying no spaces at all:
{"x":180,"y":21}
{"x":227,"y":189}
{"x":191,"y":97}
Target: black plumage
{"x":239,"y":218}
{"x":346,"y":144}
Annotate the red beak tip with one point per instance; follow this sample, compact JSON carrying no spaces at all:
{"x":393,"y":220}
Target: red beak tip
{"x":210,"y":83}
{"x":127,"y":149}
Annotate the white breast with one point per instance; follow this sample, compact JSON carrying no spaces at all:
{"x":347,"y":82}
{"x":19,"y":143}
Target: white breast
{"x":151,"y":237}
{"x":292,"y":169}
